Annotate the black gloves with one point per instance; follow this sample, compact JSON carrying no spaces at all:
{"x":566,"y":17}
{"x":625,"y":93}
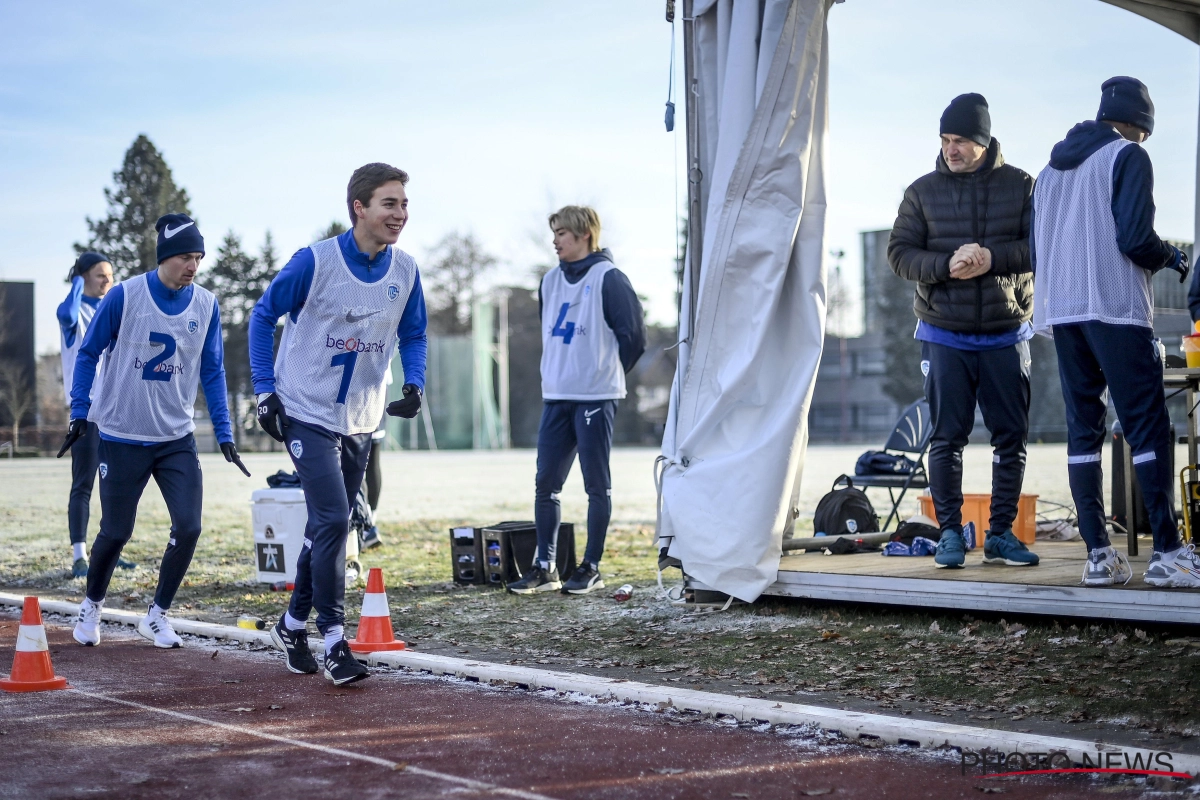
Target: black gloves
{"x":76,"y":432}
{"x":1181,"y":265}
{"x":270,"y":415}
{"x":231,"y":455}
{"x":409,"y":405}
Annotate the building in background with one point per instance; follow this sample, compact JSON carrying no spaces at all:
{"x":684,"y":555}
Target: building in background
{"x":18,"y":365}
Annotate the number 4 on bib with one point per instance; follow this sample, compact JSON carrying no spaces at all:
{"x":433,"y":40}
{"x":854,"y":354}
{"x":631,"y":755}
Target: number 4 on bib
{"x":567,"y":332}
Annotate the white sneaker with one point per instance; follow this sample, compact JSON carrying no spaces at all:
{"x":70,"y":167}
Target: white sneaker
{"x":354,"y":570}
{"x":1105,"y":566}
{"x":1176,"y":570}
{"x":158,"y":630}
{"x":87,"y":624}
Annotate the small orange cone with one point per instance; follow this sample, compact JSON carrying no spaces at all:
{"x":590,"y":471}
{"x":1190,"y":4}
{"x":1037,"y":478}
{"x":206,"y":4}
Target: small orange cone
{"x":32,"y":670}
{"x":375,"y":623}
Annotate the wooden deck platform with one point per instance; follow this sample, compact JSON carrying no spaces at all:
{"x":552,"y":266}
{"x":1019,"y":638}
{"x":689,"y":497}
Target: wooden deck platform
{"x":1051,"y":588}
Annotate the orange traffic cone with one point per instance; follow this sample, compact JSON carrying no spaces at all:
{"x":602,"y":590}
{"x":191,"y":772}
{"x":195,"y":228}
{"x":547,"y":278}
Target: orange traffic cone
{"x":32,"y":670}
{"x":375,"y":623}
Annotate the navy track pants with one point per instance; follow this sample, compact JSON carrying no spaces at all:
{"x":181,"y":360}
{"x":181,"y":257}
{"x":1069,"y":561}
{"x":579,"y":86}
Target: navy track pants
{"x":124,"y":471}
{"x":568,"y":427}
{"x":331,"y":468}
{"x":1124,"y":359}
{"x":85,"y":459}
{"x":999,"y":381}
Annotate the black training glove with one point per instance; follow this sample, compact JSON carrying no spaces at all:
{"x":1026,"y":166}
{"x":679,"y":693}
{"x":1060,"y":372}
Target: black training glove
{"x":77,"y":431}
{"x":270,"y":415}
{"x":231,"y":455}
{"x":409,"y":405}
{"x":1181,"y":265}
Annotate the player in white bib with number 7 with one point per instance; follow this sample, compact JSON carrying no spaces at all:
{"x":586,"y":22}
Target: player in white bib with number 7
{"x":349,"y":303}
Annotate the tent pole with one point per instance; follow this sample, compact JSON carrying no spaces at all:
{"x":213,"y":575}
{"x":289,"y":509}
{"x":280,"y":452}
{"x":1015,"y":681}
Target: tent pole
{"x":695,"y":219}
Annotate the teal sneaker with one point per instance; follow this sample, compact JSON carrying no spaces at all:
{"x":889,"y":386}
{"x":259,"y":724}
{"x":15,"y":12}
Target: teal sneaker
{"x":951,"y":550}
{"x":1006,"y":548}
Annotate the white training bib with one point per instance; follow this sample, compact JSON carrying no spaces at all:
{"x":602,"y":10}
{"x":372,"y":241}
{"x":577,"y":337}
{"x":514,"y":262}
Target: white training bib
{"x":580,"y":357}
{"x":69,"y":352}
{"x":147,"y":391}
{"x":1081,"y":274}
{"x":334,"y":358}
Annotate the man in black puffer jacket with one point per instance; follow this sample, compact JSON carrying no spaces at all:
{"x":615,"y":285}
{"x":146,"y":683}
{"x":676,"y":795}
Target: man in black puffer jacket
{"x":962,"y":235}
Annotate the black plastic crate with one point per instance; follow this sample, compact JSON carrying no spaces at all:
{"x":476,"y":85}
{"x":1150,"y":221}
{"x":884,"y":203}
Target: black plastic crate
{"x":466,"y":556}
{"x":509,"y":550}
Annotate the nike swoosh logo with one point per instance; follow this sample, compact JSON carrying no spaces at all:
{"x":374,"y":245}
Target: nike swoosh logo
{"x":351,"y":317}
{"x":168,"y":233}
{"x":590,"y":413}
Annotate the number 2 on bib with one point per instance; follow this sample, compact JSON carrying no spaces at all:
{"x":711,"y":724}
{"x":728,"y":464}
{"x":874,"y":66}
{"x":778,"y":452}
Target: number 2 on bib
{"x":567,"y":332}
{"x":346,"y":361}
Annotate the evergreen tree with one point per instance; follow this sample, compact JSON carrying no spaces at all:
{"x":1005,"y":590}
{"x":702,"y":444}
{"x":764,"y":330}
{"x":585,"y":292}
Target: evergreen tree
{"x":335,"y":229}
{"x":143,"y":190}
{"x":238,"y":279}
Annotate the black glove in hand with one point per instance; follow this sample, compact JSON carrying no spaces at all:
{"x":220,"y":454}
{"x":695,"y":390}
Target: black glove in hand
{"x":409,"y":405}
{"x":76,"y":432}
{"x":271,"y":416}
{"x":1181,"y":265}
{"x":231,"y":455}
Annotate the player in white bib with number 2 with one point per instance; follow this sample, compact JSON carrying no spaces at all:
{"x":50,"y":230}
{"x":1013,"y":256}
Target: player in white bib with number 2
{"x":350,"y":302}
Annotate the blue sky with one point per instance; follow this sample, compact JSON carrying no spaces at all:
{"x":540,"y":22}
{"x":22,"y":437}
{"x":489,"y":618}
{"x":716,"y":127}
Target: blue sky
{"x":502,"y":113}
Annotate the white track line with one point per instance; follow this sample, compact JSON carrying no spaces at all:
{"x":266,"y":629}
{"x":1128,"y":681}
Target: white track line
{"x":851,"y":724}
{"x":468,"y":783}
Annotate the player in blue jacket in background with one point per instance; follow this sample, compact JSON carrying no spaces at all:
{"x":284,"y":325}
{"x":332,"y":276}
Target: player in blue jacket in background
{"x":592,"y":334}
{"x":160,"y":337}
{"x":349,"y":302}
{"x":91,"y":277}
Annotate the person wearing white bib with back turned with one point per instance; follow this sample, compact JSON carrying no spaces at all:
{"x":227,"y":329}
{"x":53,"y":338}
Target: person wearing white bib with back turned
{"x":592,"y":334}
{"x":1094,"y":249}
{"x":160,"y":337}
{"x":349,"y":303}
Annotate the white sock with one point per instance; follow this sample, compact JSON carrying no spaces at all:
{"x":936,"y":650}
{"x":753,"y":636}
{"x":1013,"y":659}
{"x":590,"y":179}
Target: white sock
{"x":293,"y":624}
{"x":155,"y":612}
{"x":544,"y":565}
{"x":332,"y":637}
{"x":78,"y":549}
{"x":1170,"y":554}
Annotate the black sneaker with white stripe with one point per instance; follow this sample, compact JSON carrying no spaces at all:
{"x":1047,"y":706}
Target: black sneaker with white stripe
{"x":538,"y":579}
{"x":586,"y":578}
{"x":294,"y":644}
{"x":341,"y":667}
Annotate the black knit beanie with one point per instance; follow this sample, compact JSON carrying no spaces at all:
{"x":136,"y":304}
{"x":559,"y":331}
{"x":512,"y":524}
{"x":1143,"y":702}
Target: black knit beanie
{"x":1126,"y":100}
{"x":968,"y":116}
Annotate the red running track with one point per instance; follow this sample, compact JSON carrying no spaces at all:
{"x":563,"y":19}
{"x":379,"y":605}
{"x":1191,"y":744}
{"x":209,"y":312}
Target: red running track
{"x":215,"y":721}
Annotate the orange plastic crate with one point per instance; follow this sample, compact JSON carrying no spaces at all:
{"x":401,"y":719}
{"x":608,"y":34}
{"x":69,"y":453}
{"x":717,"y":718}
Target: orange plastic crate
{"x":977,"y":508}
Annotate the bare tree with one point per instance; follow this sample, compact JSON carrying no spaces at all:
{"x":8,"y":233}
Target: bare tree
{"x":17,"y":394}
{"x":450,"y":280}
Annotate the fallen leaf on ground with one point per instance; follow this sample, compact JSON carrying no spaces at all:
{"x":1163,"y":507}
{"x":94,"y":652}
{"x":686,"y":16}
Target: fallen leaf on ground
{"x":669,"y":771}
{"x":991,"y":789}
{"x":241,"y":709}
{"x":274,"y":708}
{"x":815,"y":792}
{"x":830,"y":635}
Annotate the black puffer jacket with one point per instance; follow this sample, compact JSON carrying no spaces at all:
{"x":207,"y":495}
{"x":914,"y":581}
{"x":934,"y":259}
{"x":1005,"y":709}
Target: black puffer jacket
{"x":944,"y":210}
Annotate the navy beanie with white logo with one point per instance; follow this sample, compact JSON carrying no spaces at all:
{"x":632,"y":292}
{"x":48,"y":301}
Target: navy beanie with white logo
{"x":968,"y":116}
{"x":177,"y":233}
{"x":1126,"y":100}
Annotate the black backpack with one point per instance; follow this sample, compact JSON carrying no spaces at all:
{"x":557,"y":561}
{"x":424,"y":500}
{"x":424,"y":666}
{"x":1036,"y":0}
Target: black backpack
{"x":845,"y":511}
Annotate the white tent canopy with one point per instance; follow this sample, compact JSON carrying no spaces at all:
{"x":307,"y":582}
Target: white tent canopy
{"x":753,"y":312}
{"x":754,"y":320}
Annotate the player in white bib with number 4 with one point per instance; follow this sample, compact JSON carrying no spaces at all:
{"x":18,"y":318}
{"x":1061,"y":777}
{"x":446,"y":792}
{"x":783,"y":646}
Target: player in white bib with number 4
{"x":349,"y":303}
